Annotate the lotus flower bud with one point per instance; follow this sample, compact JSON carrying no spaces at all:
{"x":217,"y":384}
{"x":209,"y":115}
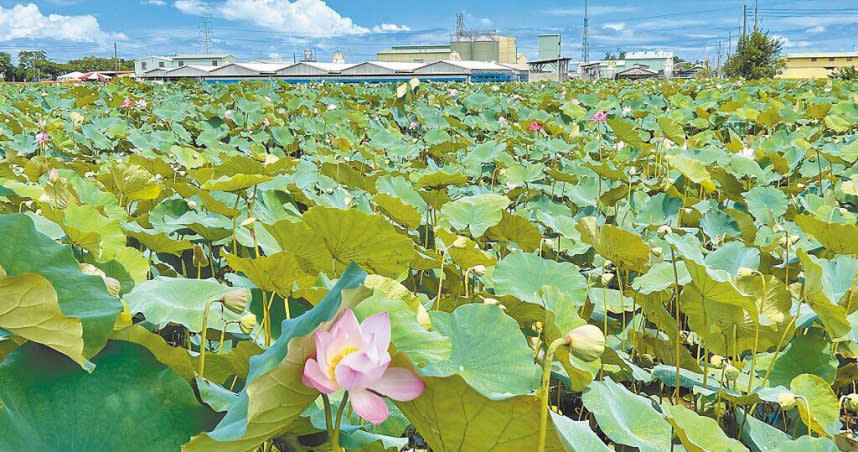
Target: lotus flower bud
{"x":657,"y":251}
{"x":731,"y":372}
{"x":460,"y":242}
{"x":850,"y":402}
{"x":113,"y":286}
{"x":587,"y":342}
{"x":248,"y":223}
{"x":786,"y":400}
{"x":423,"y":317}
{"x":716,"y":361}
{"x":745,"y":271}
{"x":664,"y":230}
{"x":247,"y":323}
{"x":200,"y":259}
{"x":54,"y":176}
{"x":479,"y":270}
{"x":633,"y":171}
{"x":192,"y":204}
{"x":236,"y":300}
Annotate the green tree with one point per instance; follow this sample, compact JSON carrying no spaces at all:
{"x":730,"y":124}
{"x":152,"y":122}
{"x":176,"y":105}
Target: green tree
{"x":845,"y":73}
{"x":29,"y":63}
{"x":94,"y":63}
{"x":7,"y":70}
{"x":758,"y":56}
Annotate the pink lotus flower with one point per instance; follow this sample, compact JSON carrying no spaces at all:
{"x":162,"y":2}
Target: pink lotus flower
{"x":576,"y":102}
{"x":601,"y":117}
{"x":535,"y":126}
{"x":141,"y":104}
{"x":266,"y":122}
{"x":354,"y":357}
{"x":227,"y":114}
{"x":501,"y":121}
{"x":454,"y":92}
{"x":127,"y":103}
{"x":42,"y":138}
{"x":414,"y":125}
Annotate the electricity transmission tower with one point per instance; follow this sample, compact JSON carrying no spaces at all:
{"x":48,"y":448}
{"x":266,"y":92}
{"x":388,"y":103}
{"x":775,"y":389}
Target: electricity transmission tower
{"x":585,"y":51}
{"x":206,"y":38}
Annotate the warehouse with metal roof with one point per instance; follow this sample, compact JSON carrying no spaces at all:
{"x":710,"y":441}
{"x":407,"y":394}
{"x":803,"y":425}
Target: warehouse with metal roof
{"x":366,"y":72}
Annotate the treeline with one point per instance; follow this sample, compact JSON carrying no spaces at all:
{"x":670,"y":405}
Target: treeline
{"x":34,"y":65}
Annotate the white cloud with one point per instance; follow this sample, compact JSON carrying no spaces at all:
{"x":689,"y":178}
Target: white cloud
{"x":616,"y":27}
{"x":390,"y":28}
{"x":27,"y":22}
{"x":816,"y":29}
{"x":155,"y":2}
{"x":305,"y":17}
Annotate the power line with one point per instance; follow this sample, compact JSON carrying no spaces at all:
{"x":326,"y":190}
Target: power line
{"x":206,"y":34}
{"x":585,"y":52}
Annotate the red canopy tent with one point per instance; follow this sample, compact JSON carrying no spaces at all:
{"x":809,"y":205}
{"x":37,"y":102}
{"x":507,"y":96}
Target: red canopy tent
{"x":94,"y":77}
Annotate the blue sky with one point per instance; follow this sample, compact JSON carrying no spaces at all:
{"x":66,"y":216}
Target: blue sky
{"x":275,"y":29}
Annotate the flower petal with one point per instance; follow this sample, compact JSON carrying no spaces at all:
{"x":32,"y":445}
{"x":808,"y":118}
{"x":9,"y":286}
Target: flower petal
{"x":376,"y":329}
{"x":399,"y":384}
{"x":359,"y":370}
{"x":369,"y":406}
{"x":315,"y":378}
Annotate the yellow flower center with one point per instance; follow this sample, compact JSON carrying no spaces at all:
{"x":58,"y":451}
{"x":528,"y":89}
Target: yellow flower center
{"x":336,"y":360}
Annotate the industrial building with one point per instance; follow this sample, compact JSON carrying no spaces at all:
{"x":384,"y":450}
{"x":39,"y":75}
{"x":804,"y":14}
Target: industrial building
{"x":634,"y":65}
{"x":817,"y":65}
{"x":168,"y":62}
{"x":366,"y":72}
{"x":465,"y":44}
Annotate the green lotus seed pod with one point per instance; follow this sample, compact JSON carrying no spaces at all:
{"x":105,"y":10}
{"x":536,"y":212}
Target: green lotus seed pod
{"x":850,"y":402}
{"x":731,"y":372}
{"x":200,"y":259}
{"x":716,"y":361}
{"x":587,"y":342}
{"x":247,"y":323}
{"x":786,"y":401}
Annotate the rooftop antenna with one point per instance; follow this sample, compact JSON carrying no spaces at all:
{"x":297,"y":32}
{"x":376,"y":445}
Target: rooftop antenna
{"x":206,"y":34}
{"x":585,"y":52}
{"x":460,"y":25}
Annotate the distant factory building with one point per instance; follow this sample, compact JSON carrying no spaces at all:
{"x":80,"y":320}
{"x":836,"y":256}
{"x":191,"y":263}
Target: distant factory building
{"x":634,"y":65}
{"x":415,"y":53}
{"x":168,"y":62}
{"x":817,"y":65}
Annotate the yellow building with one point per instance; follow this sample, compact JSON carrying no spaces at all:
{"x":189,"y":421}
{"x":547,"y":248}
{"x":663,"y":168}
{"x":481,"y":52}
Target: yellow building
{"x":817,"y":65}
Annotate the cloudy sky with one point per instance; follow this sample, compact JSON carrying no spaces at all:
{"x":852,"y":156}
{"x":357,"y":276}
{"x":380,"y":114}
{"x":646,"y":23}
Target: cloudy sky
{"x":275,"y":29}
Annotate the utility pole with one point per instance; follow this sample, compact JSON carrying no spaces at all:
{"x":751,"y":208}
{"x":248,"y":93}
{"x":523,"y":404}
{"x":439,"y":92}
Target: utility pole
{"x":745,"y":21}
{"x":729,"y":44}
{"x":206,"y":34}
{"x":115,"y":58}
{"x":718,"y":68}
{"x":756,"y":16}
{"x":585,"y":52}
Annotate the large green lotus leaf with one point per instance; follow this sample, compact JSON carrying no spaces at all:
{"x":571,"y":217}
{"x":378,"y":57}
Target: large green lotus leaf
{"x":672,"y":130}
{"x":274,"y":397}
{"x":807,"y":354}
{"x":627,"y":418}
{"x":131,"y":182}
{"x":236,"y":362}
{"x":523,"y":274}
{"x":719,"y":286}
{"x":625,"y":131}
{"x":836,"y":237}
{"x":29,"y":308}
{"x":476,"y":213}
{"x":619,"y":246}
{"x":515,"y":228}
{"x":176,"y":358}
{"x":693,"y":169}
{"x":821,"y":295}
{"x":610,"y":301}
{"x":86,"y":227}
{"x":701,"y":434}
{"x":808,"y":444}
{"x":761,"y":436}
{"x":181,"y":301}
{"x":440,"y":179}
{"x":661,"y":277}
{"x":489,"y":351}
{"x":369,"y":241}
{"x":732,"y":256}
{"x":275,"y":273}
{"x":157,"y":241}
{"x":298,"y":238}
{"x":577,"y":436}
{"x":130,"y":402}
{"x":453,"y":417}
{"x":79,"y":296}
{"x":354,"y":435}
{"x":766,"y":204}
{"x":407,"y":335}
{"x":397,"y":210}
{"x":818,"y":405}
{"x":235,"y":183}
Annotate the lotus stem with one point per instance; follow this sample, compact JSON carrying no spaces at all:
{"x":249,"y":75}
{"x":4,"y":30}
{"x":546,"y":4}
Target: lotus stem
{"x":335,"y":436}
{"x":543,"y":395}
{"x":203,"y":336}
{"x":677,"y":344}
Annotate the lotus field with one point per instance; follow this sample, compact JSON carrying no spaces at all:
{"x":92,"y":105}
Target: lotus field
{"x":651,"y":266}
